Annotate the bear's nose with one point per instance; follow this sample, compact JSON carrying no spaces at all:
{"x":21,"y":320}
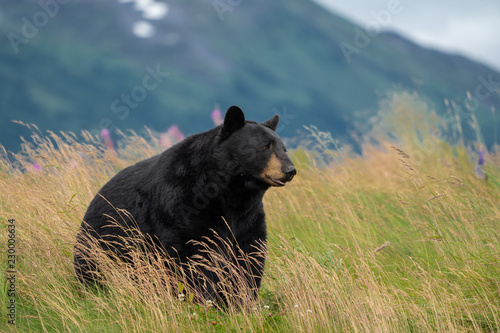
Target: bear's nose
{"x":290,"y":171}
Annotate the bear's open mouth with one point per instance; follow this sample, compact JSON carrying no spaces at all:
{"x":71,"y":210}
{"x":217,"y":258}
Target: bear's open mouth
{"x":277,"y":181}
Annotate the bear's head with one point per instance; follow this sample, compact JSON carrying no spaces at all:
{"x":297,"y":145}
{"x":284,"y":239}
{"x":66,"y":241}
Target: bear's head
{"x":255,"y":150}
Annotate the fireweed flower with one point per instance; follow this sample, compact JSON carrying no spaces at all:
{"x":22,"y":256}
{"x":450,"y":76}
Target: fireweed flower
{"x":37,"y":168}
{"x":165,"y":141}
{"x":216,"y":116}
{"x":175,"y":133}
{"x":106,"y":137}
{"x":481,"y":161}
{"x":171,"y":136}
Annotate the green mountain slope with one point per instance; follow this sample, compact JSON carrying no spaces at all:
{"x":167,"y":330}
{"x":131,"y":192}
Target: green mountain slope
{"x":78,"y":69}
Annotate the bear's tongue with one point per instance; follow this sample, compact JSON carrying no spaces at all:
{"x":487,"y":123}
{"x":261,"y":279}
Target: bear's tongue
{"x":279,"y":182}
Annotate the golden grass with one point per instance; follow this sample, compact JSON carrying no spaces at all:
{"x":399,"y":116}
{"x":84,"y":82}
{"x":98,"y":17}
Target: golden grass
{"x":402,"y":239}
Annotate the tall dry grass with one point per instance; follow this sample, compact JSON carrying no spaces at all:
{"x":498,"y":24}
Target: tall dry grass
{"x":401,"y":239}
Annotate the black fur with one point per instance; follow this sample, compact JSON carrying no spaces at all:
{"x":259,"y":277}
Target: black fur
{"x":181,"y":195}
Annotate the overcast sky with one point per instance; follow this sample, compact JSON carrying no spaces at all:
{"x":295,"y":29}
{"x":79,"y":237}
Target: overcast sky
{"x":470,"y":28}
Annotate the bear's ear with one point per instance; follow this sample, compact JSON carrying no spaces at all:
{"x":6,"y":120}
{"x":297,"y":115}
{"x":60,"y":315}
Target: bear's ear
{"x":272,"y":123}
{"x":234,"y":120}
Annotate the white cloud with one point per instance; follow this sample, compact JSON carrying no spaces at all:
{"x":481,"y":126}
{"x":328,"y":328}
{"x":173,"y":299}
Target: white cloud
{"x":151,"y":10}
{"x":143,"y":29}
{"x":155,"y":11}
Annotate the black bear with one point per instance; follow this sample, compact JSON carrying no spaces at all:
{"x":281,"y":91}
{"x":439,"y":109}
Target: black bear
{"x":209,"y":183}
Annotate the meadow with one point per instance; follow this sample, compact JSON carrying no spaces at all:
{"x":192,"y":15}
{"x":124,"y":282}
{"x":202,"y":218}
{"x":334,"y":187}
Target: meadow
{"x":404,"y":237}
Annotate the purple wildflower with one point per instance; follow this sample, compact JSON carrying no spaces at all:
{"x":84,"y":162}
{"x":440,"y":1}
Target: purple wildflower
{"x":481,"y":161}
{"x":216,"y":116}
{"x":171,"y":136}
{"x":175,"y":133}
{"x":37,"y":168}
{"x":165,"y":141}
{"x":106,"y":137}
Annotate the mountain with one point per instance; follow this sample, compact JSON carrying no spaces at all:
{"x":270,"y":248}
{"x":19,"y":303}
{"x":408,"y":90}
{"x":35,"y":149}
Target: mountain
{"x":71,"y":65}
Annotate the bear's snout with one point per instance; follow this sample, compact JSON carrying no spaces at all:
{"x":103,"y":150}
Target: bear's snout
{"x":290,"y":171}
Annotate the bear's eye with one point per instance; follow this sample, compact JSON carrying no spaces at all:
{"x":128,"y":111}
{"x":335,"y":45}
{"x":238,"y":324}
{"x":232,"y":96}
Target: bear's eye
{"x":284,"y":149}
{"x":268,"y":146}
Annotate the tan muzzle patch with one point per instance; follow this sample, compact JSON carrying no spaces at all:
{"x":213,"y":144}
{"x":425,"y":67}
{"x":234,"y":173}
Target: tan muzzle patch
{"x":273,"y":172}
